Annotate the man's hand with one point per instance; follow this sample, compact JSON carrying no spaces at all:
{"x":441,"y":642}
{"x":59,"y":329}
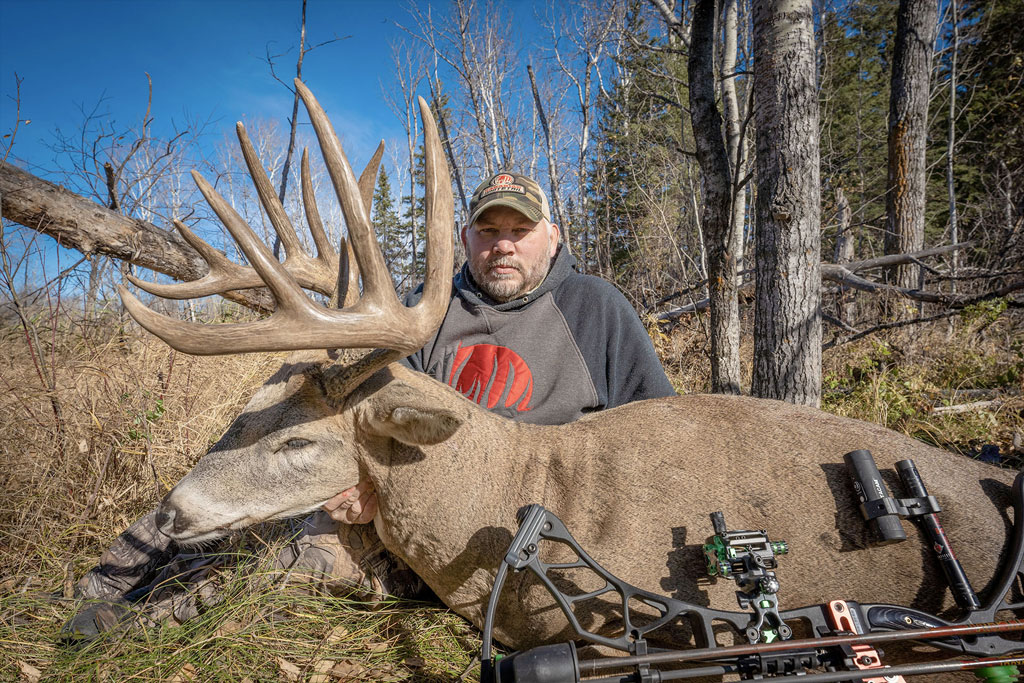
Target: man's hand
{"x":357,"y":505}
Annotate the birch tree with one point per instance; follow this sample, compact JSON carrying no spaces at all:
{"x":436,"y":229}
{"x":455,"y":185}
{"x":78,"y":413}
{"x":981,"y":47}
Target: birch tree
{"x":719,"y":239}
{"x":787,"y":313}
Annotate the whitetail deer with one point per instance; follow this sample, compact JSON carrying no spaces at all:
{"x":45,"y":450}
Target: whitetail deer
{"x":634,"y":484}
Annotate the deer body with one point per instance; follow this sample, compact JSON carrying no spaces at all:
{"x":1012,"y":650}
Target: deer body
{"x":635,"y":486}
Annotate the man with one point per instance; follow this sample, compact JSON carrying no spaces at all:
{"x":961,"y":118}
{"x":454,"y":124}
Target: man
{"x":525,"y":336}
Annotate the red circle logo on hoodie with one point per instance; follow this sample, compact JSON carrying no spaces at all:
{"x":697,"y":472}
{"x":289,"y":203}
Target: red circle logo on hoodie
{"x":485,"y":373}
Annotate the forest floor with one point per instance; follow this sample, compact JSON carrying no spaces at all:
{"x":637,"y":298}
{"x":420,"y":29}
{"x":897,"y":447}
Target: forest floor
{"x":98,"y":425}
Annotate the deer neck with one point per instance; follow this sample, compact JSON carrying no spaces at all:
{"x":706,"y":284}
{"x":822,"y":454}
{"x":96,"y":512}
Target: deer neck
{"x":449,"y":509}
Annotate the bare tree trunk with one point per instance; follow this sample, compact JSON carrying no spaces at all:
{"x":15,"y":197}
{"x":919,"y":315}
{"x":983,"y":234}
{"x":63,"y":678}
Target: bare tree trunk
{"x":446,"y":142}
{"x":720,"y":240}
{"x":293,"y":123}
{"x":556,"y":201}
{"x":734,"y":133}
{"x":787,"y":314}
{"x":908,"y":130}
{"x":954,"y":233}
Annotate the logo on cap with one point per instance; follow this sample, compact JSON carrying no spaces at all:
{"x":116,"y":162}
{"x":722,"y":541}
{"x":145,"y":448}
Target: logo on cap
{"x":503,"y":179}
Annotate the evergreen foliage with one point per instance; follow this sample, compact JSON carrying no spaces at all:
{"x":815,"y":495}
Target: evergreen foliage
{"x":413,"y":227}
{"x":855,"y":52}
{"x":640,"y":174}
{"x":989,"y":153}
{"x":388,"y":227}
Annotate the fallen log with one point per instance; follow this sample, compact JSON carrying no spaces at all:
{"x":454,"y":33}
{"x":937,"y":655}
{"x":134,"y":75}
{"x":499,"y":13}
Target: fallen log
{"x":78,"y":223}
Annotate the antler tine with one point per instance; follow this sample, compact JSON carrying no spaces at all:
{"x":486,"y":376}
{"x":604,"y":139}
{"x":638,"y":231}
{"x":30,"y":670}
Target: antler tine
{"x":270,"y":201}
{"x":429,"y":312}
{"x":224,"y":275}
{"x":367,"y":182}
{"x":316,"y":226}
{"x":338,"y":260}
{"x":319,"y":274}
{"x":378,"y":289}
{"x":273,"y":274}
{"x":440,"y":221}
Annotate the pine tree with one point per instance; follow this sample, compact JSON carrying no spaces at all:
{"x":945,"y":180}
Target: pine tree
{"x":641,"y":217}
{"x":855,"y":56}
{"x":413,"y":229}
{"x":989,"y":161}
{"x":389,"y":229}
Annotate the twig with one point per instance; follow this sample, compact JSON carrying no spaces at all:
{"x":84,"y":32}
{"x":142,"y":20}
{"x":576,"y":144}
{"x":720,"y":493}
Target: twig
{"x":965,"y":407}
{"x":831,"y":320}
{"x":889,"y":326}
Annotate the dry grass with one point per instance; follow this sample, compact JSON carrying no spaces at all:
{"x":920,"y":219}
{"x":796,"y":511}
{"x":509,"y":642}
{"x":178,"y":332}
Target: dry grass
{"x":134,"y":416}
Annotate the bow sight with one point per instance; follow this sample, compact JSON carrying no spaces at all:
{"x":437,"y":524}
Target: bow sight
{"x":847,"y":632}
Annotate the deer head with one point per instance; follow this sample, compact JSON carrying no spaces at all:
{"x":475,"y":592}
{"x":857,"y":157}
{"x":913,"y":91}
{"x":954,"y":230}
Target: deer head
{"x":297,"y":441}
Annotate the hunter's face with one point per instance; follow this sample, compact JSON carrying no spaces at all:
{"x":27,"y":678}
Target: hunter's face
{"x":509,"y":255}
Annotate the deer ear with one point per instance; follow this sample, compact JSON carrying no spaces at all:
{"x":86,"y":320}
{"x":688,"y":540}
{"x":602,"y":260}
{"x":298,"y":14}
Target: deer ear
{"x":410,"y":416}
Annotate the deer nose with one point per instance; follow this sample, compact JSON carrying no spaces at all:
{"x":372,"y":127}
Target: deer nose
{"x":166,"y":515}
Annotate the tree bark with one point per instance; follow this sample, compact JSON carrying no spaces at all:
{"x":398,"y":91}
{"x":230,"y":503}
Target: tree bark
{"x":720,"y":242}
{"x":734,"y":131}
{"x":845,"y":308}
{"x":908,"y":130}
{"x":77,"y":223}
{"x":556,"y":200}
{"x":787,"y":312}
{"x":954,"y":232}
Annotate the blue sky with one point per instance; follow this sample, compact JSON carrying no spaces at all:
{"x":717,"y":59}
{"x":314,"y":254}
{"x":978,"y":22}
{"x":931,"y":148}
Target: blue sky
{"x":206,"y":60}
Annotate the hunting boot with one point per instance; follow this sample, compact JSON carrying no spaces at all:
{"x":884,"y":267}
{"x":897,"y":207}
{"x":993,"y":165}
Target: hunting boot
{"x":128,"y":563}
{"x":346,"y":559}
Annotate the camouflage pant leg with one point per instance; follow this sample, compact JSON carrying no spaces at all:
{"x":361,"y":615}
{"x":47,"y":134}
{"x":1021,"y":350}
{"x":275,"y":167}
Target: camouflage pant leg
{"x":340,"y":559}
{"x":188,"y":584}
{"x":129,"y":562}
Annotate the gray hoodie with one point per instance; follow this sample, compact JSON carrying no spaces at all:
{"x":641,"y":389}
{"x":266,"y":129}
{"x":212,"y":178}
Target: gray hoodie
{"x":571,"y":346}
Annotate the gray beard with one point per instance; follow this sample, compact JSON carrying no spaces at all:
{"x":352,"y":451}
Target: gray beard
{"x":503,"y":288}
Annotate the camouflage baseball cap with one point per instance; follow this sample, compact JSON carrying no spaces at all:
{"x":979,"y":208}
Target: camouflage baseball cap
{"x":512,"y":190}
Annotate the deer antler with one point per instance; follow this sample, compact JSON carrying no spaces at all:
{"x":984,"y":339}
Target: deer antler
{"x":377,"y":319}
{"x":319,"y":274}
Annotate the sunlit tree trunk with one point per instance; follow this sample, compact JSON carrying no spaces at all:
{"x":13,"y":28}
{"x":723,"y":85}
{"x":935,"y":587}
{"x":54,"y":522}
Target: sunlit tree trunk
{"x":908,"y":131}
{"x":787,"y":314}
{"x":719,"y":239}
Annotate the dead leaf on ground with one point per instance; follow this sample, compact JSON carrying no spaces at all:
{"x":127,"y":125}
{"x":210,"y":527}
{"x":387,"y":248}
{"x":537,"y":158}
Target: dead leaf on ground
{"x":229,"y":627}
{"x":29,"y":673}
{"x":377,"y":647}
{"x":414,"y":662}
{"x":186,"y":674}
{"x":337,"y":633}
{"x":348,"y":670}
{"x":322,"y":668}
{"x":289,"y":671}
